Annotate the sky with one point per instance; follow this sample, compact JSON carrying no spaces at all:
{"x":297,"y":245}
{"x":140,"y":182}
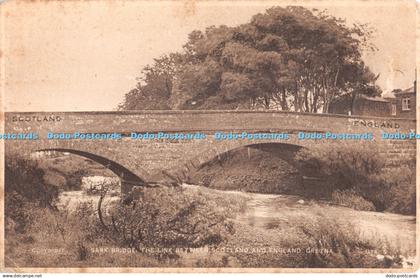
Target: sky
{"x":85,"y":56}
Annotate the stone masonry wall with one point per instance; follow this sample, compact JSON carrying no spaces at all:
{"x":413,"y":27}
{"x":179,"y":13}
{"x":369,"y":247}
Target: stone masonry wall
{"x":148,"y":158}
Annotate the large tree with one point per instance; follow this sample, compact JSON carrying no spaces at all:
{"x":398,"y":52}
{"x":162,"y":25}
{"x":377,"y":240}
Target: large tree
{"x":286,"y":58}
{"x":154,"y":87}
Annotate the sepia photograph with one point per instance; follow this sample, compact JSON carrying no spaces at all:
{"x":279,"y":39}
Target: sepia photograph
{"x":209,"y":136}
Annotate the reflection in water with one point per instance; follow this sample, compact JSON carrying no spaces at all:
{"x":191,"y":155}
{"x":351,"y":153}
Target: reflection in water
{"x":263,"y":212}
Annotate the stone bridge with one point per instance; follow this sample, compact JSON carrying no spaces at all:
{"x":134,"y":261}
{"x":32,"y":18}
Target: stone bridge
{"x":141,"y":161}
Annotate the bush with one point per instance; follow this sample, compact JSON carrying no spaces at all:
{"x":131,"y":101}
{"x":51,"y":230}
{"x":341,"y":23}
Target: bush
{"x":95,"y":185}
{"x":26,"y":178}
{"x":363,"y":168}
{"x":400,"y":195}
{"x":18,"y":213}
{"x":166,"y":217}
{"x":72,"y":232}
{"x":343,"y":164}
{"x":24,"y":190}
{"x":344,"y":246}
{"x":153,"y":217}
{"x":350,"y":198}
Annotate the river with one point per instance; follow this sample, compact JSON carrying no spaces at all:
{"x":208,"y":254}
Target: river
{"x":266,"y":212}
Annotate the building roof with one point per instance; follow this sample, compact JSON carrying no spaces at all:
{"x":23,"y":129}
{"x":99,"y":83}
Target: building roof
{"x":379,"y":99}
{"x":347,"y":98}
{"x":406,"y":91}
{"x":388,"y":94}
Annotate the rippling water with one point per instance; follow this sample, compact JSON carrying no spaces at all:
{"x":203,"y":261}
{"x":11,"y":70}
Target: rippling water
{"x":70,"y":200}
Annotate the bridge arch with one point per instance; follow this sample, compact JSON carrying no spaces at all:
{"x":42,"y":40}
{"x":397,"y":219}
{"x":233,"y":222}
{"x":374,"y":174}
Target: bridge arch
{"x":128,"y":178}
{"x":263,"y":167}
{"x":284,"y":151}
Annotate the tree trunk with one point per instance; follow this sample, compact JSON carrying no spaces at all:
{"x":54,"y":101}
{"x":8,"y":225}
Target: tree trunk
{"x":305,"y":99}
{"x":353,"y":102}
{"x":315,"y":102}
{"x":266,"y":102}
{"x":284,"y":100}
{"x":296,"y":98}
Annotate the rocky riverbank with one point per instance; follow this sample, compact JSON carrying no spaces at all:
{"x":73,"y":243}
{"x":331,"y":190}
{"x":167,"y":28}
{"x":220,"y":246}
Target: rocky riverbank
{"x":249,"y":170}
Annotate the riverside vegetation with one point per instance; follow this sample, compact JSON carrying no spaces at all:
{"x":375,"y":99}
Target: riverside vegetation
{"x":354,"y":175}
{"x":178,"y":218}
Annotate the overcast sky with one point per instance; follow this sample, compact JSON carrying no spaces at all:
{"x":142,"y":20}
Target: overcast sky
{"x":82,"y":56}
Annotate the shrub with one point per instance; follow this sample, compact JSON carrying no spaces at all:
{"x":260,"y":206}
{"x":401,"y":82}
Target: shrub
{"x":73,"y":232}
{"x":166,"y":217}
{"x":18,"y":214}
{"x":344,"y":245}
{"x":350,"y":198}
{"x":400,"y":193}
{"x":24,"y":190}
{"x":362,"y":167}
{"x":343,"y":164}
{"x":154,"y":217}
{"x":95,"y":185}
{"x":25,"y":177}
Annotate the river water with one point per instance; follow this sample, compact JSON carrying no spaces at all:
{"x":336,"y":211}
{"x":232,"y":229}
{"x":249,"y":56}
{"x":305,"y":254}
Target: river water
{"x":269,"y":211}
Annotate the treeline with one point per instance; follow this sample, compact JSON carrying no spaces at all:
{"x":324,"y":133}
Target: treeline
{"x":290,"y":59}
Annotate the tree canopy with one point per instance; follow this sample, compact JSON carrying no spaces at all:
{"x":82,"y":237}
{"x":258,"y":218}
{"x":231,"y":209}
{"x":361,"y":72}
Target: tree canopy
{"x":291,"y":59}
